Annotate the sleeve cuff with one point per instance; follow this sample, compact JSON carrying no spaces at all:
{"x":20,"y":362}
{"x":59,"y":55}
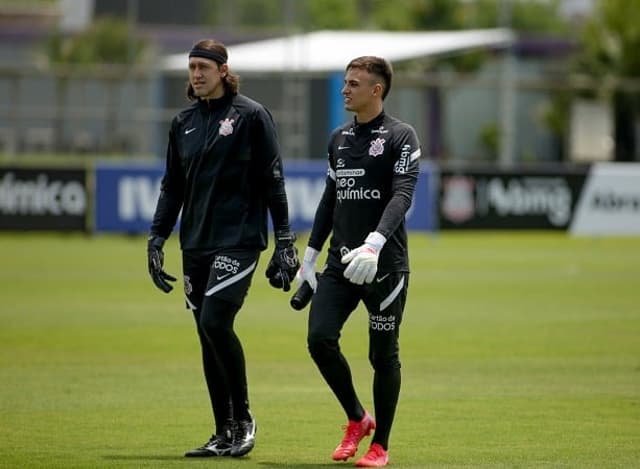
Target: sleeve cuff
{"x":310,"y":255}
{"x":376,"y":240}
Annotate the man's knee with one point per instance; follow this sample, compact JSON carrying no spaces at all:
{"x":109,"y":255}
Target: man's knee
{"x":384,"y":362}
{"x":322,"y":349}
{"x":217,"y":318}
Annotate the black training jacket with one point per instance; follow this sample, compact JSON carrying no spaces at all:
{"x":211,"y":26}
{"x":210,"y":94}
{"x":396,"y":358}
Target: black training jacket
{"x":223,"y":169}
{"x":373,"y":169}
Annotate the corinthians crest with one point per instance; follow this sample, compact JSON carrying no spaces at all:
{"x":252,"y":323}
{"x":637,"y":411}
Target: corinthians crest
{"x":226,"y":127}
{"x":188,"y":288}
{"x":377,"y":147}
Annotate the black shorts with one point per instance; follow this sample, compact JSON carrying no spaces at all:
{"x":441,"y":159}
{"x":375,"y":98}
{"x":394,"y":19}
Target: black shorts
{"x":336,"y":298}
{"x":224,"y":274}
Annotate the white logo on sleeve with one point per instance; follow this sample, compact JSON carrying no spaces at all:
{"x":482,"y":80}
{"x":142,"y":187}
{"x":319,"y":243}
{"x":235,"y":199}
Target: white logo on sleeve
{"x":188,"y":131}
{"x":406,"y":158}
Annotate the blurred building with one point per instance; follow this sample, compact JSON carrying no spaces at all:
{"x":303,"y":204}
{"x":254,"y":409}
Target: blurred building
{"x":111,"y":109}
{"x":127,"y":110}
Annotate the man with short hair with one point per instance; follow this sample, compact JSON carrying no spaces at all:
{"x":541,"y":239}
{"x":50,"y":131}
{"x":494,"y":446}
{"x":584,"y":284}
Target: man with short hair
{"x":223,"y":170}
{"x":373,"y":168}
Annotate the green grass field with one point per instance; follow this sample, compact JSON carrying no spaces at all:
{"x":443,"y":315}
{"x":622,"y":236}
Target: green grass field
{"x":518,"y":350}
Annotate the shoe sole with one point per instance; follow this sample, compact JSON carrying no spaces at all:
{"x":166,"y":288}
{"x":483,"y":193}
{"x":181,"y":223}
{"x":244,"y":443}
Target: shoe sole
{"x":372,"y":427}
{"x":209,"y":454}
{"x":358,"y":464}
{"x":242,"y":452}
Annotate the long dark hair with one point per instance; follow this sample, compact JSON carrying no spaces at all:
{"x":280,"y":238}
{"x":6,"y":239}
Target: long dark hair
{"x":230,"y":81}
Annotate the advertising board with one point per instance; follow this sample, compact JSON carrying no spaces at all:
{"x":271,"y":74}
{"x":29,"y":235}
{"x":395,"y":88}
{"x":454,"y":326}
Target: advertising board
{"x":43,"y":199}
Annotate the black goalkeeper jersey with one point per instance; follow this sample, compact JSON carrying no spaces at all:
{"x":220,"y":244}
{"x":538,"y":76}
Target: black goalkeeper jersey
{"x":373,"y":169}
{"x":223,"y":169}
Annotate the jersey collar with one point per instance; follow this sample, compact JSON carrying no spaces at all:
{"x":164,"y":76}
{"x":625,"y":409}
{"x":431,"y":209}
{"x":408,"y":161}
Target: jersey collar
{"x":214,"y":104}
{"x":373,"y":123}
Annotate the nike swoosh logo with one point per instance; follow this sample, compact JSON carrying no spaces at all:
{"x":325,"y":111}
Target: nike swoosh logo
{"x":220,"y":277}
{"x":380,"y":279}
{"x":188,"y":131}
{"x":342,"y":148}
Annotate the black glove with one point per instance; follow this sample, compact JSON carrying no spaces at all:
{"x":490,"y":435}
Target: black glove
{"x":155,"y":258}
{"x":284,"y":263}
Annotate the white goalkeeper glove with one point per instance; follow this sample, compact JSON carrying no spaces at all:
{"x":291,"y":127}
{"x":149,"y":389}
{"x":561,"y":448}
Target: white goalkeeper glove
{"x":363,"y":261}
{"x":307,"y":271}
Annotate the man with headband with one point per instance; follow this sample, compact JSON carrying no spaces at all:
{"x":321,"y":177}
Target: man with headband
{"x":223,"y":170}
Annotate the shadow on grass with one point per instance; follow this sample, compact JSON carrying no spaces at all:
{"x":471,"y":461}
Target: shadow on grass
{"x":142,"y":457}
{"x":278,"y":465}
{"x":173,"y":457}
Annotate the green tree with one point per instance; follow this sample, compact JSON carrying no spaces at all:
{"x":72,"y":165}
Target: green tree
{"x":108,"y":41}
{"x":246,"y":15}
{"x":334,"y":14}
{"x":523,"y":16}
{"x":427,"y":15}
{"x":396,"y":15}
{"x":610,"y":42}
